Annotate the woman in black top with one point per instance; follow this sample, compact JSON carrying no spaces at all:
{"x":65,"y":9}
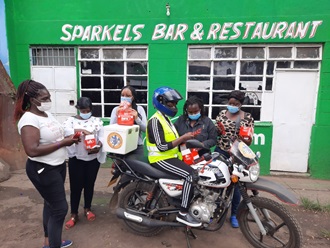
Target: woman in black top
{"x":194,"y":120}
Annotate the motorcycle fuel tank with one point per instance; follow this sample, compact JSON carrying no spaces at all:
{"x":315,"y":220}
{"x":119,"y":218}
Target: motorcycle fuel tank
{"x":215,"y":174}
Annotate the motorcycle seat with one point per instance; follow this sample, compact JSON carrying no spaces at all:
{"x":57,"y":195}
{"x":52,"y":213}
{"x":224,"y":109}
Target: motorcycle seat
{"x":148,"y":170}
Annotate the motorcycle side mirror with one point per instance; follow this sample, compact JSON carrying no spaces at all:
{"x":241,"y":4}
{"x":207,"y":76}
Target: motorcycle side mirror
{"x":193,"y":143}
{"x":258,"y":155}
{"x":207,"y":156}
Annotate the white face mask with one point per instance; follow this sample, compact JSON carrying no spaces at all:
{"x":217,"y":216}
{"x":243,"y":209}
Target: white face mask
{"x":45,"y":106}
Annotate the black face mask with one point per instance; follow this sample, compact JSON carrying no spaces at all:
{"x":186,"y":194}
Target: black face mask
{"x":174,"y":111}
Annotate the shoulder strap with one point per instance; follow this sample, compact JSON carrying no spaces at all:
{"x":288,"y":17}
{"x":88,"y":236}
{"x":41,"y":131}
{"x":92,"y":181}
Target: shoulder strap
{"x":238,"y":122}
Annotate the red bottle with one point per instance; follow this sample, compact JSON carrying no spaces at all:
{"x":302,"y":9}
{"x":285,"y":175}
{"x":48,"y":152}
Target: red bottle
{"x":246,"y":132}
{"x":125,"y":116}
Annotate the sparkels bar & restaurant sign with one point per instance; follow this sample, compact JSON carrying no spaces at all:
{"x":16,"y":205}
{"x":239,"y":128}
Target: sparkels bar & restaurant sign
{"x":198,"y":32}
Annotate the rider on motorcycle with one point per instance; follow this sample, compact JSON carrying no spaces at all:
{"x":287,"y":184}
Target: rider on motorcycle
{"x":163,"y":152}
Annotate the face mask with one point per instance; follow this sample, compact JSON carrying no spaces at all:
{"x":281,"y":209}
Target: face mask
{"x":45,"y":106}
{"x":85,"y":116}
{"x":232,"y":109}
{"x":125,"y":99}
{"x":174,"y":111}
{"x":194,"y":117}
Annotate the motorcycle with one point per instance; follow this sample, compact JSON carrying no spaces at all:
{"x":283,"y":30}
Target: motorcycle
{"x":148,"y":199}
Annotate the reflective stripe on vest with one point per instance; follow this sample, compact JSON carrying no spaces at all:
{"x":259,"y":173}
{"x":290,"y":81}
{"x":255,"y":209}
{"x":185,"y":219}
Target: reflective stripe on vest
{"x":170,"y":134}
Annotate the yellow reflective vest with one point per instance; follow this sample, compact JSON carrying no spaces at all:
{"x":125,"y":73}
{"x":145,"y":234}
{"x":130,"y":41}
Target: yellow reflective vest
{"x":170,"y":134}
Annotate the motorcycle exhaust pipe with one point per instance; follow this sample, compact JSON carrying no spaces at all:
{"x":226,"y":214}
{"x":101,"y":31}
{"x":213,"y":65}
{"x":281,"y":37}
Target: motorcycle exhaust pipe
{"x":128,"y":215}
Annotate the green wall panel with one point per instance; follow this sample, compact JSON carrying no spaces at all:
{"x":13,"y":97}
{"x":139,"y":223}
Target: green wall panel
{"x":167,"y":68}
{"x":325,"y":65}
{"x":319,"y":160}
{"x":326,"y":51}
{"x":262,"y":141}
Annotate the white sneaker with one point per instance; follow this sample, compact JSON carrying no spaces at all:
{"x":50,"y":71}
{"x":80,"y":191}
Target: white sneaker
{"x":188,"y":220}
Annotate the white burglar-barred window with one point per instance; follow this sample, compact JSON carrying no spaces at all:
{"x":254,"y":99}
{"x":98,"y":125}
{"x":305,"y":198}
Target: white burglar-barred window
{"x":53,"y":56}
{"x":214,"y":71}
{"x":103,"y":71}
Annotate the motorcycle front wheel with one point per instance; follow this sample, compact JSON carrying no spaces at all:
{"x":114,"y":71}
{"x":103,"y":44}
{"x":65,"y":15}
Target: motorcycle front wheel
{"x":281,"y":227}
{"x":133,"y":197}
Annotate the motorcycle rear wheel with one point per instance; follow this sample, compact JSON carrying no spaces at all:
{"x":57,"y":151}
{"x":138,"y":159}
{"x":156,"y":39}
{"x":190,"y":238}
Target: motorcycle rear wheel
{"x":281,"y":227}
{"x":134,"y":196}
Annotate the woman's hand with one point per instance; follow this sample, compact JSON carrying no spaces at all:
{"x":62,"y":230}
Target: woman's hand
{"x":70,"y":140}
{"x":246,"y":140}
{"x":124,"y":106}
{"x":83,"y":131}
{"x":134,"y":113}
{"x":95,"y":149}
{"x":187,"y":136}
{"x":119,"y":109}
{"x":183,"y":139}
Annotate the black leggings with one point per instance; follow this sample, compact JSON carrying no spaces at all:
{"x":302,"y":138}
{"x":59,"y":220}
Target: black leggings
{"x":181,"y":169}
{"x":82,"y":175}
{"x":49,"y":181}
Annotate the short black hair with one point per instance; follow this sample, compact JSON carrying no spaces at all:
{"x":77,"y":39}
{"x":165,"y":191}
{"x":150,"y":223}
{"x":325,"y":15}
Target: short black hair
{"x":191,"y":101}
{"x":84,"y":103}
{"x":238,"y":95}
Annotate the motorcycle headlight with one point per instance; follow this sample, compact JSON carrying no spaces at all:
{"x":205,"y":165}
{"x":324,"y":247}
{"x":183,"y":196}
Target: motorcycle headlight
{"x":254,"y":172}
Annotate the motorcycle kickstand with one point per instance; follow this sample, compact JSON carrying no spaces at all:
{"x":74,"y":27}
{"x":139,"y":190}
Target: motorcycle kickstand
{"x":188,"y":233}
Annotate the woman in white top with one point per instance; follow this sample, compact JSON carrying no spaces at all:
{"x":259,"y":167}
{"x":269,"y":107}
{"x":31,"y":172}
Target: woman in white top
{"x":44,"y":142}
{"x":128,"y":94}
{"x":84,"y":163}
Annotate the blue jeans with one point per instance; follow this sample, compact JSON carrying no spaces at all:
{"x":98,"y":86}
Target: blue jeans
{"x":50,"y":184}
{"x":237,"y":195}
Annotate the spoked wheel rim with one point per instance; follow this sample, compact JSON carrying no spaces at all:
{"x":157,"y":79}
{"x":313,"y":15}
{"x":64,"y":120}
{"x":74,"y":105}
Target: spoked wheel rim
{"x":134,"y":197}
{"x":277,"y":234}
{"x":281,"y":228}
{"x":137,"y":200}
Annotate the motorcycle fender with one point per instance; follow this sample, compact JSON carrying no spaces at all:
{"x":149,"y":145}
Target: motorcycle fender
{"x":113,"y":180}
{"x":275,"y":189}
{"x":124,"y":180}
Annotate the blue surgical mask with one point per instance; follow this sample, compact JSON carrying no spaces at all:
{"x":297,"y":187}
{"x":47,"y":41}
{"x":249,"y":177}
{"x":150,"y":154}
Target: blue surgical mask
{"x":126,"y":99}
{"x":232,"y":109}
{"x":85,"y":116}
{"x":194,"y":117}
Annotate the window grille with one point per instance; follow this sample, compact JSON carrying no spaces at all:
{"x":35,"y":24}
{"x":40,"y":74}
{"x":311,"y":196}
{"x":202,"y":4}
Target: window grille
{"x":53,"y":56}
{"x":215,"y":70}
{"x":105,"y":70}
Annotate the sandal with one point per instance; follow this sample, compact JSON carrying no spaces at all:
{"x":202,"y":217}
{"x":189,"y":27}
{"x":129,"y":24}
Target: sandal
{"x":89,"y":215}
{"x":70,"y":223}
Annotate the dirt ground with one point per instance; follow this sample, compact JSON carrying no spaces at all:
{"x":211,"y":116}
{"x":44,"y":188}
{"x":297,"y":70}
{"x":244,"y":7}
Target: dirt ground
{"x":21,"y":218}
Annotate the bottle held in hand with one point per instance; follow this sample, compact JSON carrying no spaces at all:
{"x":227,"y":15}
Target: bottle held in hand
{"x":246,"y":133}
{"x":90,"y":142}
{"x":125,"y":116}
{"x":76,"y":135}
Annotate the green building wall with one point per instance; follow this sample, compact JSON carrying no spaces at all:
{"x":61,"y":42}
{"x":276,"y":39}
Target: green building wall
{"x":32,"y":22}
{"x":319,"y":159}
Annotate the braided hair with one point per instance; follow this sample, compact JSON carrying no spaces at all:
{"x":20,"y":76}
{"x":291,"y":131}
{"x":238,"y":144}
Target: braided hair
{"x":191,"y":101}
{"x":26,"y":90}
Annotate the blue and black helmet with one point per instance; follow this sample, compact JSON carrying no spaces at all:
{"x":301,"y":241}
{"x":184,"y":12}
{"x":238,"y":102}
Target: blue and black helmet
{"x":163,"y":95}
